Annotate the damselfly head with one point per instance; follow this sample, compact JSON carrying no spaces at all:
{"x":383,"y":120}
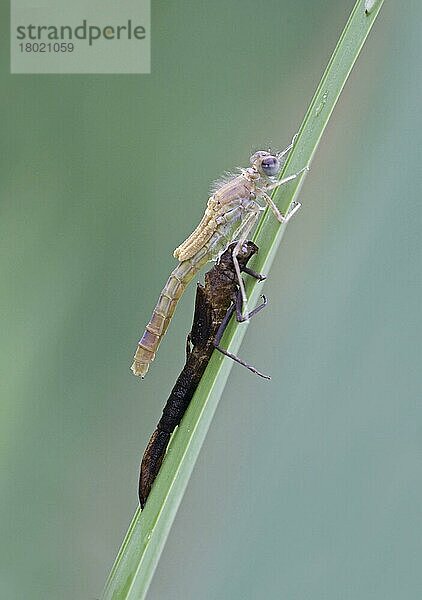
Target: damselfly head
{"x":247,"y":250}
{"x":265,"y":163}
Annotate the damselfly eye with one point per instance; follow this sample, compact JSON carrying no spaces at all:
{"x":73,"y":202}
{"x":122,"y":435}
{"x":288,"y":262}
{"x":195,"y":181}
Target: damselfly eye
{"x":270,"y":165}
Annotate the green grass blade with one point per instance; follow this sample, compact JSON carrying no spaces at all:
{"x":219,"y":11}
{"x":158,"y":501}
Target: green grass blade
{"x":145,"y":539}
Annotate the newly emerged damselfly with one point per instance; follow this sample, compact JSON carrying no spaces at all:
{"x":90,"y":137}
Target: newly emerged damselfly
{"x":231,"y":213}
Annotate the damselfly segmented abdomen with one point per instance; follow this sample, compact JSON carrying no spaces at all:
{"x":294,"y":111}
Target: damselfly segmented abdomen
{"x":174,"y":288}
{"x":163,"y":312}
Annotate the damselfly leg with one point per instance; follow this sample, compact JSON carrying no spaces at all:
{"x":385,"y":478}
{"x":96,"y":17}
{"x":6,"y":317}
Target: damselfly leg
{"x":237,"y":307}
{"x":241,"y":318}
{"x":254,"y":274}
{"x":249,"y":222}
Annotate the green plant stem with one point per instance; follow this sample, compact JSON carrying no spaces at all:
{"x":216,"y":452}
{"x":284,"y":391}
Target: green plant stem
{"x":140,"y":552}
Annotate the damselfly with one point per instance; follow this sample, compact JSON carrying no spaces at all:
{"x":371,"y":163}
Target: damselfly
{"x":231,"y":213}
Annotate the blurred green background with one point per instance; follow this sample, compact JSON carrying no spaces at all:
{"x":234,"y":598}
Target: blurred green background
{"x":308,"y":486}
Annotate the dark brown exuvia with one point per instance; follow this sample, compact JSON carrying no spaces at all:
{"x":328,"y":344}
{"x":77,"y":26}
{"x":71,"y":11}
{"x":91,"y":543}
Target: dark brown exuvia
{"x":215,"y":303}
